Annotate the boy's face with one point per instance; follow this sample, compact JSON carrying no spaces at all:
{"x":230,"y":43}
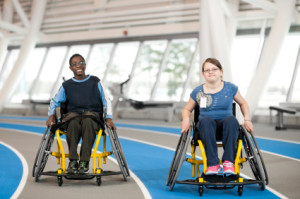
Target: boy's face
{"x":78,"y":66}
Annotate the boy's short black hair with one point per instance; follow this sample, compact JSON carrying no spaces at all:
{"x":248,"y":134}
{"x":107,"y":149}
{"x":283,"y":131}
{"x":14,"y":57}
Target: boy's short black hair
{"x":75,"y":55}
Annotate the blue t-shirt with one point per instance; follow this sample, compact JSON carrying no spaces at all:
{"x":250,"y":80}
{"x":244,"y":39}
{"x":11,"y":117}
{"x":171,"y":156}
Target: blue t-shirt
{"x":218,"y":105}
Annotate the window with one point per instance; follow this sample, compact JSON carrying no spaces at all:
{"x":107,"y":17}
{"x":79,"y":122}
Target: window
{"x":146,"y":70}
{"x":122,"y":62}
{"x":282,"y":73}
{"x":98,"y":60}
{"x":175,"y":72}
{"x":28,"y":76}
{"x":43,"y":87}
{"x":8,"y":66}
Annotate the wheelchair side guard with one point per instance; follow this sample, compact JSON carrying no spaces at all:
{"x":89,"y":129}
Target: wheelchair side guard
{"x":39,"y":151}
{"x":178,"y":158}
{"x":118,"y":152}
{"x":254,"y":157}
{"x":43,"y":154}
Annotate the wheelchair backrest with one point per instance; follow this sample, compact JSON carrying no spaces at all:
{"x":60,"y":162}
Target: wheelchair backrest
{"x":63,"y":109}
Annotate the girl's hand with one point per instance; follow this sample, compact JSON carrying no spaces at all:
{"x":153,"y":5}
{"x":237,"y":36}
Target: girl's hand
{"x":185,"y":125}
{"x":249,"y":126}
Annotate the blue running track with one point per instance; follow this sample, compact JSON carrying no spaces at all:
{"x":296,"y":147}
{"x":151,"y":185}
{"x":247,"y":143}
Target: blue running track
{"x":151,"y":164}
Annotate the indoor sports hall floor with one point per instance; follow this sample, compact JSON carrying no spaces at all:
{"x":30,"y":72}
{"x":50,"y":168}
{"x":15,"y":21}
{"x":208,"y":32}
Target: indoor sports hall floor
{"x":149,"y":148}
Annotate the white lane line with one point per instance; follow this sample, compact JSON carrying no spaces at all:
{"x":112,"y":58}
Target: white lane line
{"x":282,"y":156}
{"x":176,"y":135}
{"x":25,"y":170}
{"x":173,"y":149}
{"x":277,"y":139}
{"x":135,"y":178}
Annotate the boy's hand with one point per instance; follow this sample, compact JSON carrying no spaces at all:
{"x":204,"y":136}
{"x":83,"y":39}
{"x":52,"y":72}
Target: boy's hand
{"x":110,"y":124}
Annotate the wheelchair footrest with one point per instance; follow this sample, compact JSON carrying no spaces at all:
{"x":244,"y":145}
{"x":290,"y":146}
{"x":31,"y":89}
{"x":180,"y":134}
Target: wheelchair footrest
{"x":79,"y":176}
{"x":220,"y":178}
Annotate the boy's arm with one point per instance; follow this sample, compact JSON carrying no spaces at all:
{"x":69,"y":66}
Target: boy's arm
{"x":107,"y":107}
{"x":55,"y":102}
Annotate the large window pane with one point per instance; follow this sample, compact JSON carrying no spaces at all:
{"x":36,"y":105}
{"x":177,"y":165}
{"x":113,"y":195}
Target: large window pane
{"x":196,"y":77}
{"x":146,"y":70}
{"x":4,"y":57}
{"x":244,"y":56}
{"x":49,"y":73}
{"x":122,"y":62}
{"x":28,"y":76}
{"x":282,"y":73}
{"x":8,"y":66}
{"x":175,"y":72}
{"x":98,"y":59}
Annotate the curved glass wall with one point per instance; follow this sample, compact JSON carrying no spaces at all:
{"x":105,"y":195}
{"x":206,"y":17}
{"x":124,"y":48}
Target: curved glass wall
{"x":158,"y":69}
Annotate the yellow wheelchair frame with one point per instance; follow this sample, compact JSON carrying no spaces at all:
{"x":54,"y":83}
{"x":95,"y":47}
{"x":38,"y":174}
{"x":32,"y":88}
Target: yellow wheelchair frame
{"x":245,"y":141}
{"x":45,"y":150}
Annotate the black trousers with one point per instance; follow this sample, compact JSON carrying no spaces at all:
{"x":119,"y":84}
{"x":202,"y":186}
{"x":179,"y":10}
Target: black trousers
{"x":79,"y":126}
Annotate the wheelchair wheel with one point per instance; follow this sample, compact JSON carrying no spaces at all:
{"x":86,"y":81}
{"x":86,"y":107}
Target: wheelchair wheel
{"x":240,"y":190}
{"x":98,"y":180}
{"x":254,"y":158}
{"x":39,"y":151}
{"x":178,"y":159}
{"x":43,"y":155}
{"x":59,"y":180}
{"x":118,"y":152}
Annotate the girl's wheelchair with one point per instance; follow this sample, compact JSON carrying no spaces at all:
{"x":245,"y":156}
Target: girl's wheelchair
{"x":45,"y":150}
{"x":246,"y":141}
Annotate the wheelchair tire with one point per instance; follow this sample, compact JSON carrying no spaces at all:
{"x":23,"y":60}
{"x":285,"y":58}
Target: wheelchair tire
{"x":39,"y":151}
{"x":178,"y":158}
{"x":59,"y":180}
{"x":118,"y":152}
{"x":98,"y":180}
{"x":44,"y":154}
{"x":253,"y":158}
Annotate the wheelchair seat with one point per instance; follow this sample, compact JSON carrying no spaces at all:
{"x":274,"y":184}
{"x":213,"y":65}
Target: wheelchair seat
{"x":246,"y":141}
{"x":57,"y":130}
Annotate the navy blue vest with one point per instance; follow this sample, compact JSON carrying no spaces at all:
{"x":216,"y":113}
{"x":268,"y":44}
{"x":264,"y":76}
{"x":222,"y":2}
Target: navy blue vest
{"x":83,"y":96}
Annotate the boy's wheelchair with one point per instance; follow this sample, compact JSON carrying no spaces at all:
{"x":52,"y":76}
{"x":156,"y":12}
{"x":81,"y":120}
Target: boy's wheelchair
{"x":45,"y":150}
{"x":246,"y":141}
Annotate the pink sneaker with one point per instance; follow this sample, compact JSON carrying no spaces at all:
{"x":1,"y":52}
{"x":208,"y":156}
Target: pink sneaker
{"x":213,"y":170}
{"x":228,"y":167}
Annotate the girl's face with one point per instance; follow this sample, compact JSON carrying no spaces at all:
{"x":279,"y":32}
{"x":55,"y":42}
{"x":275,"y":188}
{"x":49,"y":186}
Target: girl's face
{"x":212,"y":73}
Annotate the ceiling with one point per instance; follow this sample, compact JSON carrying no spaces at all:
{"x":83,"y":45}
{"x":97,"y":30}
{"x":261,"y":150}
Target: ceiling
{"x":89,"y":20}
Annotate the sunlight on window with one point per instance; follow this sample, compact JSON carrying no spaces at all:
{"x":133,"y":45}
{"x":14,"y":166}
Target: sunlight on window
{"x":49,"y":73}
{"x":29,"y":75}
{"x":122,"y":62}
{"x":98,"y":60}
{"x":145,"y":73}
{"x":244,"y":57}
{"x":8,"y":66}
{"x":175,"y":72}
{"x":282,"y":73}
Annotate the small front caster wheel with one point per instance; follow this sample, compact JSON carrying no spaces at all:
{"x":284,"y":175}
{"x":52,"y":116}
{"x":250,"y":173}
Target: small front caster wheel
{"x":59,"y":180}
{"x":200,"y":190}
{"x":240,"y":190}
{"x":98,"y":180}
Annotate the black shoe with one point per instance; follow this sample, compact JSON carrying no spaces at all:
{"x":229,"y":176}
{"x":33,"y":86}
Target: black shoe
{"x":73,"y":166}
{"x":83,"y":167}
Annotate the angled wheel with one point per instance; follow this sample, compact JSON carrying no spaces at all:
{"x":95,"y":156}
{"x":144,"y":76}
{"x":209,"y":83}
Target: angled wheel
{"x":59,"y":180}
{"x":39,"y":151}
{"x":254,"y":158}
{"x":240,"y":190}
{"x":178,"y":158}
{"x":43,"y":155}
{"x":118,"y":152}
